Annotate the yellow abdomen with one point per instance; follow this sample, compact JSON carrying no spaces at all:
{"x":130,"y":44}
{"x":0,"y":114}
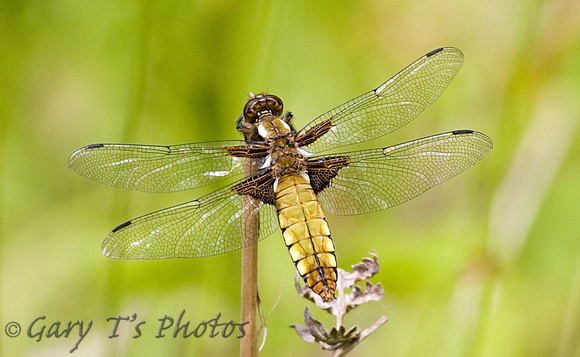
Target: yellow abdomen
{"x":306,"y":234}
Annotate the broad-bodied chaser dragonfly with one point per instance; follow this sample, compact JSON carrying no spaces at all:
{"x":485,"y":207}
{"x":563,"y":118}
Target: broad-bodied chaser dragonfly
{"x":294,"y":184}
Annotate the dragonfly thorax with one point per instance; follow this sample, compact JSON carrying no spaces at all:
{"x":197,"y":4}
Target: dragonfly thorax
{"x":273,"y":129}
{"x":287,"y":161}
{"x":284,"y":155}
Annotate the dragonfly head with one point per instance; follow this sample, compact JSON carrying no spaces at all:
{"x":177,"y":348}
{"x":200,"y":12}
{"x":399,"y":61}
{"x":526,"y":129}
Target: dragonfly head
{"x":262,"y":107}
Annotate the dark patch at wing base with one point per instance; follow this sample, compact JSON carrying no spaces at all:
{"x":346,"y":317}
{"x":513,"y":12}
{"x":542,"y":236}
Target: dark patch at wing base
{"x":317,"y":131}
{"x":260,"y":186}
{"x":247,"y":151}
{"x":322,"y":170}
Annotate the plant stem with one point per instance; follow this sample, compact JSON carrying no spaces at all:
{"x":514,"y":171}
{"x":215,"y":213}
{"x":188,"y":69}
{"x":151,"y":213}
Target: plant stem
{"x":250,"y":234}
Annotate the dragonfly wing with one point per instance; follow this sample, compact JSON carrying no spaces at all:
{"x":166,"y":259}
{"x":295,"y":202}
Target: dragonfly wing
{"x":208,"y":226}
{"x":157,"y":168}
{"x":388,"y":107}
{"x":372,"y":180}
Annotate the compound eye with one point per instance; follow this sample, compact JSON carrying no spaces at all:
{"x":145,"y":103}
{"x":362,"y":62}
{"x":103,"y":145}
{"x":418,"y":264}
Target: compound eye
{"x":275,"y":104}
{"x":262,"y":104}
{"x":250,"y":112}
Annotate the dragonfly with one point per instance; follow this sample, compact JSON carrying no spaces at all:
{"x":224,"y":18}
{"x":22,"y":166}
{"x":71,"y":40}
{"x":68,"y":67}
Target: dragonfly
{"x":292,"y":185}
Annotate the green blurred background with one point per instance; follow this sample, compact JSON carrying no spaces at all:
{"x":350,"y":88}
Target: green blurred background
{"x":487,"y":264}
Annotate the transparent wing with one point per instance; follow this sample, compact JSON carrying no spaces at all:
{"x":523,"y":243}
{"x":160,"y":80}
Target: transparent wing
{"x":156,"y":168}
{"x":381,"y":178}
{"x":208,"y":226}
{"x":390,"y":106}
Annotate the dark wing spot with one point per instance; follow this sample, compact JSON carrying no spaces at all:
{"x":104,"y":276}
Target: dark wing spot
{"x":434,"y":52}
{"x":460,"y":132}
{"x":121,"y":226}
{"x":94,"y":146}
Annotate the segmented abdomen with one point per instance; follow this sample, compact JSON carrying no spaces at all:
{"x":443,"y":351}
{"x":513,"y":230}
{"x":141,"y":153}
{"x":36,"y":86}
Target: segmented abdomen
{"x":306,"y":234}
